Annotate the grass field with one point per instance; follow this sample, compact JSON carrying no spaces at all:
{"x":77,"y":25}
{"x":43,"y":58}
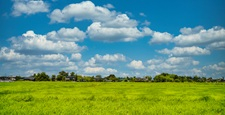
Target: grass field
{"x":122,"y":98}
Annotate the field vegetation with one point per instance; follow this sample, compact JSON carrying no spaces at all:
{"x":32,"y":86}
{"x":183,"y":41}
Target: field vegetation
{"x":117,"y":98}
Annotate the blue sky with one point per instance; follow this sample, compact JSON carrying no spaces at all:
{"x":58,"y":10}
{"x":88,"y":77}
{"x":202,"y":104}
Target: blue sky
{"x":134,"y":38}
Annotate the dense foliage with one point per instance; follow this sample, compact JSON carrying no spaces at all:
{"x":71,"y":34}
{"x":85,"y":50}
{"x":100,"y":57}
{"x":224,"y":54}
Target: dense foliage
{"x":163,"y":77}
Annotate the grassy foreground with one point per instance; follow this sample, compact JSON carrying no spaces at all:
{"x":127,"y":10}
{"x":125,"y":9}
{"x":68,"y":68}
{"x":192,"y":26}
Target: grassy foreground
{"x":70,"y":98}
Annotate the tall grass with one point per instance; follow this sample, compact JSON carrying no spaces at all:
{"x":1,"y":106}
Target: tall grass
{"x":111,"y":98}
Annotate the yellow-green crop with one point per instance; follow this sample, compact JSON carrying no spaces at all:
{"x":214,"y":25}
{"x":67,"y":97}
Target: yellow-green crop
{"x":122,"y":98}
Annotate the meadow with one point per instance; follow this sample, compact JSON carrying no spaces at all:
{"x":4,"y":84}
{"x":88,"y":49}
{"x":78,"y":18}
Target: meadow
{"x":118,"y":98}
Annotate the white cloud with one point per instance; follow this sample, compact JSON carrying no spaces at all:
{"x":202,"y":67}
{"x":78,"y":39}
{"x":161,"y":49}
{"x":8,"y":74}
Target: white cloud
{"x":85,"y":10}
{"x":217,"y":67}
{"x":195,"y":62}
{"x":110,"y":58}
{"x":146,"y":23}
{"x":120,"y":21}
{"x":199,"y":36}
{"x":154,"y":61}
{"x":136,"y":64}
{"x":20,"y":64}
{"x":215,"y":70}
{"x":97,"y":32}
{"x":158,"y":37}
{"x":70,"y":68}
{"x":217,"y":45}
{"x":185,"y":51}
{"x":99,"y":70}
{"x":188,"y":31}
{"x":53,"y":57}
{"x":76,"y":56}
{"x":10,"y":55}
{"x":109,"y":6}
{"x":177,"y":65}
{"x":176,"y":60}
{"x":198,"y":72}
{"x":29,"y":7}
{"x":107,"y":26}
{"x":35,"y":42}
{"x":91,"y":62}
{"x":142,"y":14}
{"x":67,"y":34}
{"x":105,"y":59}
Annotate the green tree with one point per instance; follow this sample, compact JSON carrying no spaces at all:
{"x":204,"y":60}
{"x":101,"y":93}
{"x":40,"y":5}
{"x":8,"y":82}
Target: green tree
{"x":53,"y":77}
{"x":63,"y":73}
{"x":148,"y":78}
{"x":80,"y":78}
{"x":18,"y":78}
{"x":112,"y":77}
{"x":59,"y":77}
{"x":62,"y":76}
{"x":41,"y":77}
{"x":196,"y":78}
{"x":72,"y":74}
{"x":98,"y":78}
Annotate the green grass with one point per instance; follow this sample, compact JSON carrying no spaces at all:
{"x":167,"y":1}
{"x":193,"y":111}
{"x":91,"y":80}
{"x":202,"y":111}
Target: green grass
{"x":69,"y":98}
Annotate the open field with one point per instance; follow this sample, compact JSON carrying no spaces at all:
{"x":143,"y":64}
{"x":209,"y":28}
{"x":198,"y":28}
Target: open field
{"x":111,"y":98}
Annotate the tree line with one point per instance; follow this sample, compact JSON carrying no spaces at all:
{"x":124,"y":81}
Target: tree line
{"x":163,"y":77}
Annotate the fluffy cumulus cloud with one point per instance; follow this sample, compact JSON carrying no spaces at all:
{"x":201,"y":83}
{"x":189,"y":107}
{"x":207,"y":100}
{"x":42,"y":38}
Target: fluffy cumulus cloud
{"x":81,"y":11}
{"x":110,"y":58}
{"x":30,"y":42}
{"x":136,"y":64}
{"x":16,"y":63}
{"x":146,"y":23}
{"x":120,"y":21}
{"x":67,"y":34}
{"x":99,"y":70}
{"x":10,"y":55}
{"x":215,"y":70}
{"x":188,"y":31}
{"x":109,"y":6}
{"x":29,"y":7}
{"x":199,"y":36}
{"x":107,"y":26}
{"x":177,"y":65}
{"x":216,"y":45}
{"x":158,"y":37}
{"x":76,"y":56}
{"x":185,"y":51}
{"x":97,"y":32}
{"x":105,"y":59}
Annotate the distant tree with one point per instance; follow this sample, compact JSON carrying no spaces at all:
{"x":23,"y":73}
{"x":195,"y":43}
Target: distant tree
{"x":133,"y":79}
{"x":62,"y":76}
{"x":72,"y":74}
{"x":98,"y":78}
{"x":53,"y":77}
{"x":18,"y":78}
{"x":80,"y":78}
{"x":177,"y":80}
{"x":63,"y":73}
{"x":183,"y":78}
{"x":41,"y":77}
{"x":158,"y":78}
{"x":148,"y":78}
{"x":210,"y":79}
{"x":59,"y":77}
{"x":196,"y":78}
{"x":112,"y":77}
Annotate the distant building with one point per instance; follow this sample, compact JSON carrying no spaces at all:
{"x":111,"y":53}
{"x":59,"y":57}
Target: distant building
{"x":69,"y":78}
{"x":7,"y":79}
{"x":28,"y":78}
